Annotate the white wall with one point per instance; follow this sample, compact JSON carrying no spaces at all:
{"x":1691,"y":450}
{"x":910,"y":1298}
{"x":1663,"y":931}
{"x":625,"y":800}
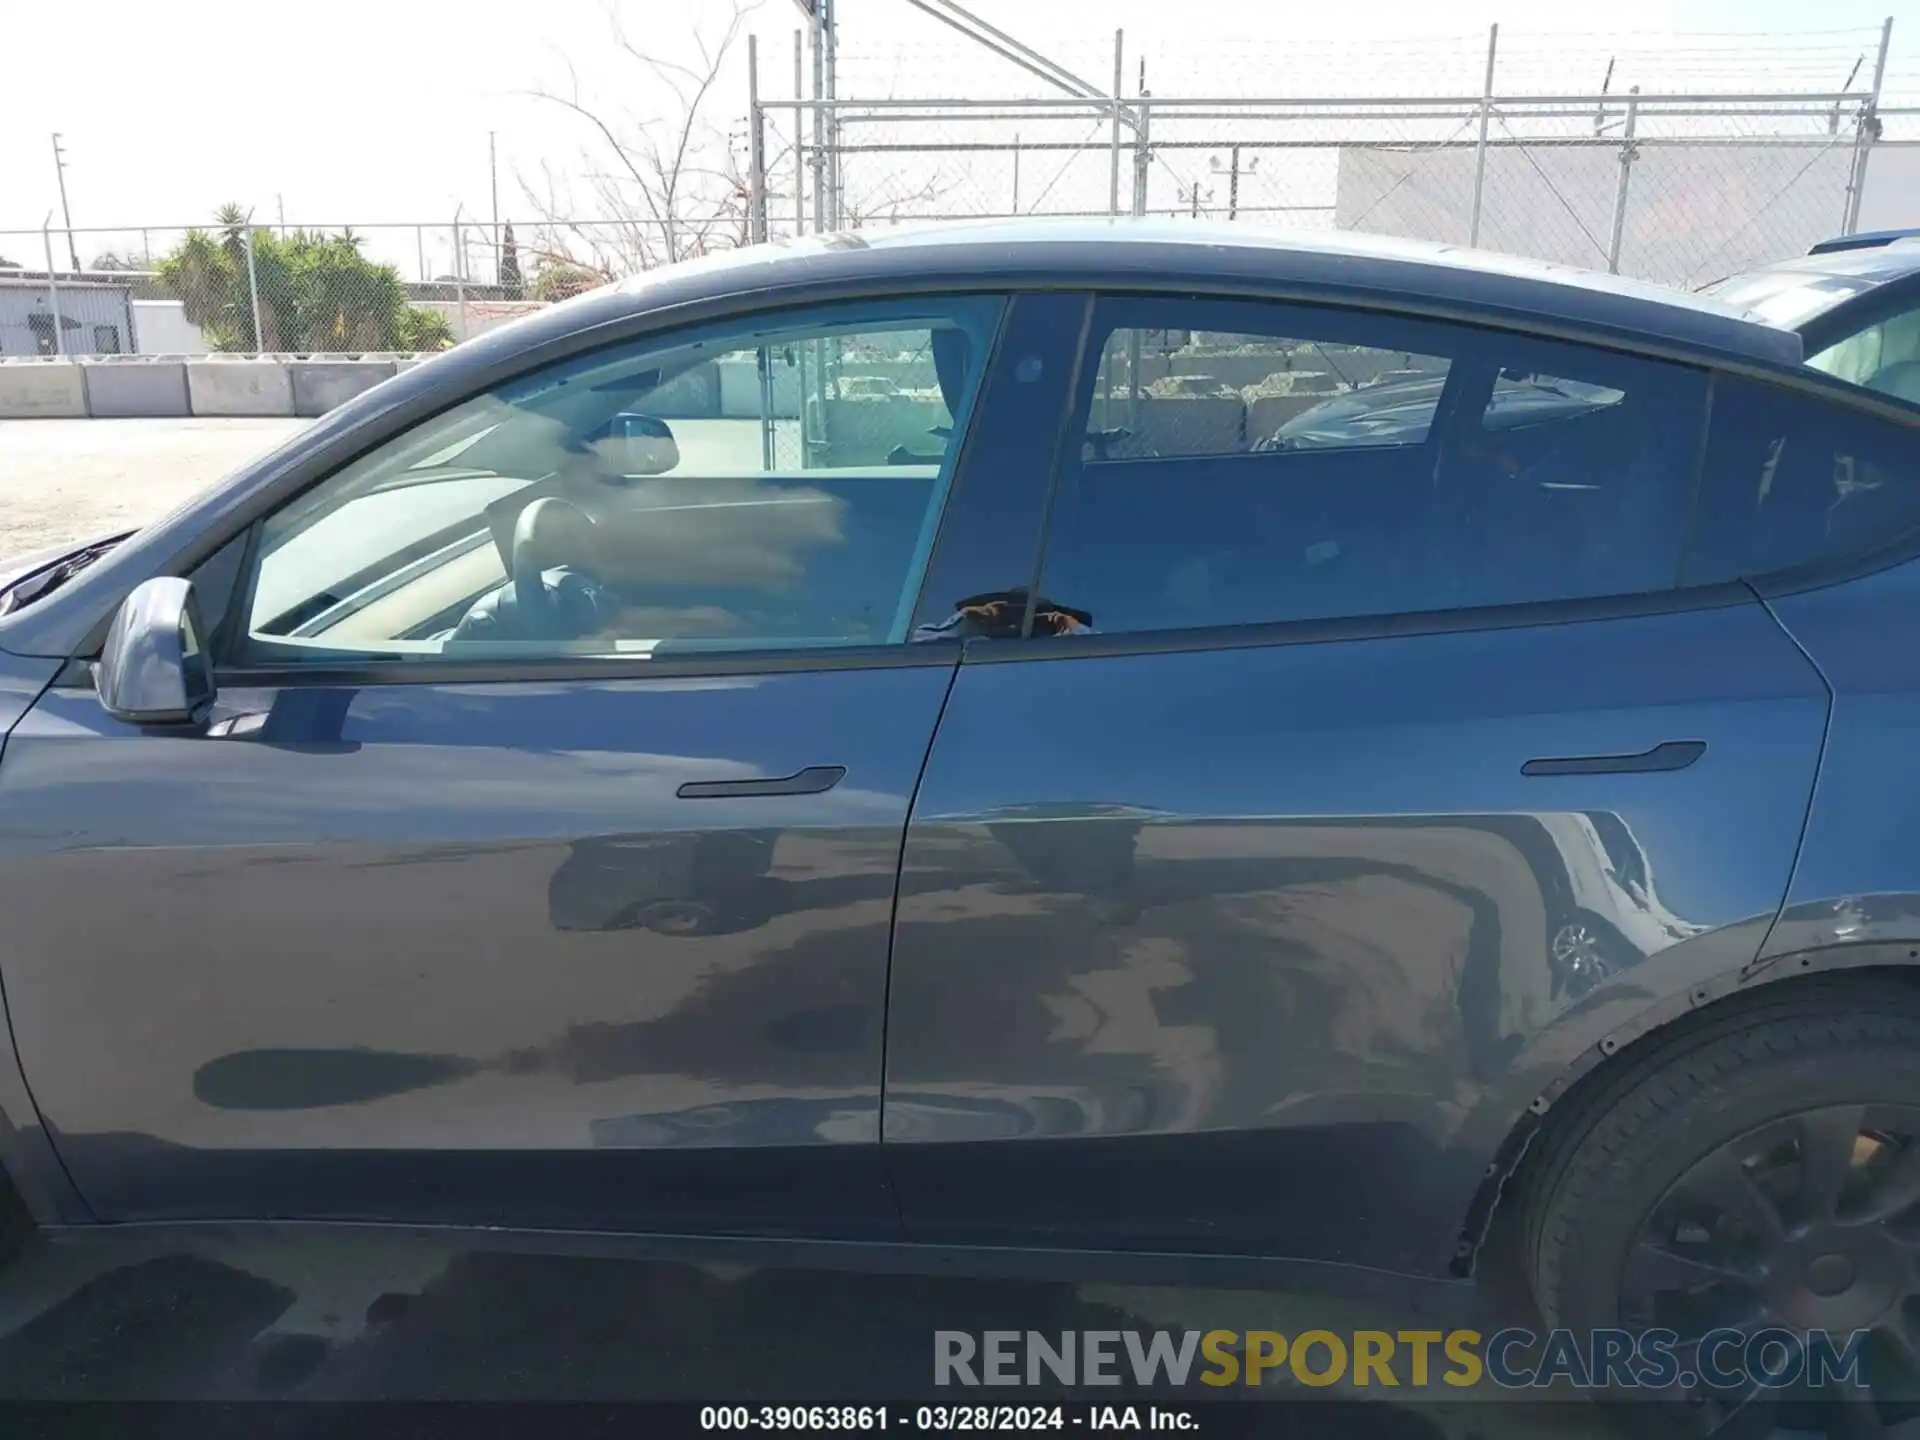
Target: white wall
{"x":161,"y":327}
{"x":477,"y":317}
{"x":1694,"y":212}
{"x":1891,"y":200}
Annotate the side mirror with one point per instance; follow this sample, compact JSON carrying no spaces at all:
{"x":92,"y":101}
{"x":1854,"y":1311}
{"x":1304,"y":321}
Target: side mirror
{"x":633,"y":444}
{"x":154,"y":668}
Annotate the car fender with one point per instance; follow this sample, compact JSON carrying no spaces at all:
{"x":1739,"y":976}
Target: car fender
{"x":26,"y":1150}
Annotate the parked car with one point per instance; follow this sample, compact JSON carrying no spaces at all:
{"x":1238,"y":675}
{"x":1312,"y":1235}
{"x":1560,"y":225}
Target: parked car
{"x":1854,"y":299}
{"x":902,"y":819}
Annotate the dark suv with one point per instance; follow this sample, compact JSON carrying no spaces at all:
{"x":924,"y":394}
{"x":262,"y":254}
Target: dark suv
{"x":998,"y":738}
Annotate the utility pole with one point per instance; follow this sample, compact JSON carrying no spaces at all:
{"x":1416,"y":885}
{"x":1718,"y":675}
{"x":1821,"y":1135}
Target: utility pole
{"x":66,"y":215}
{"x":493,"y":180}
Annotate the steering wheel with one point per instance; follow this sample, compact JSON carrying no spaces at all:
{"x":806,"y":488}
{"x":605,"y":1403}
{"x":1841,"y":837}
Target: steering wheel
{"x":548,"y":533}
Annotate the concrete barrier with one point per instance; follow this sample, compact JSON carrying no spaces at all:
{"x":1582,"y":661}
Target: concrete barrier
{"x":866,"y":432}
{"x":239,"y":387}
{"x":740,"y":390}
{"x":1267,"y":413}
{"x":41,"y":389}
{"x":319,"y":385}
{"x":1175,"y":424}
{"x":127,"y":389}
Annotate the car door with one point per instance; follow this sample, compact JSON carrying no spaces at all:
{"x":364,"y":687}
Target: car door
{"x":1360,"y":756}
{"x":537,"y":862}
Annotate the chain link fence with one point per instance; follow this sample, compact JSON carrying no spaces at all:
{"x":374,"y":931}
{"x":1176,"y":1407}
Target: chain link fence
{"x":1680,"y":188}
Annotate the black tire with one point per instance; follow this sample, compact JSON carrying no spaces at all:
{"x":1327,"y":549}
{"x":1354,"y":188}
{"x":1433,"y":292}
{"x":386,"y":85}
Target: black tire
{"x":1759,"y":1088}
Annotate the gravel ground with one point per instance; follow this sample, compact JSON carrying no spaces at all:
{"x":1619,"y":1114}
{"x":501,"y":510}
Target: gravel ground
{"x":68,"y":479}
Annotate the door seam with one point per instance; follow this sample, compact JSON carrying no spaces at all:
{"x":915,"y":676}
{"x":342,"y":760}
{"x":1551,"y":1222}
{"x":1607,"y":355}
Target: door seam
{"x":893,"y":927}
{"x":1819,"y":773}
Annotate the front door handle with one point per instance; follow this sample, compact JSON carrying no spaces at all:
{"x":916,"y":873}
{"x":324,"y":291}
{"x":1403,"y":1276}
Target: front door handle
{"x":814,"y":780}
{"x":1672,"y":755}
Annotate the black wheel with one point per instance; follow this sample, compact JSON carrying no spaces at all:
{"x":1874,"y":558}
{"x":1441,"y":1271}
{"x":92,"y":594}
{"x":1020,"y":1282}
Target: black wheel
{"x":1758,"y":1171}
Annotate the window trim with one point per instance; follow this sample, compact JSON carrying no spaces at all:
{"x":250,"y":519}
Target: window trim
{"x":235,"y":664}
{"x":1277,"y":633}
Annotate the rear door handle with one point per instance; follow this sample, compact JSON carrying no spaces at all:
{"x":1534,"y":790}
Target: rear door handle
{"x":814,"y":780}
{"x":1672,"y":755}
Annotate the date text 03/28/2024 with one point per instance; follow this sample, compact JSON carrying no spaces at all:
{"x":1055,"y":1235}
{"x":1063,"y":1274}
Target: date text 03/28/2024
{"x":1125,"y":1419}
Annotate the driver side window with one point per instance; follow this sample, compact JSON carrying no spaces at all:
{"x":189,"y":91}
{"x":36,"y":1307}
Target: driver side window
{"x":761,"y":483}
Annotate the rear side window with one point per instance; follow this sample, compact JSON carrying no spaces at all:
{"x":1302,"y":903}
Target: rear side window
{"x":1791,"y":479}
{"x":1166,"y":394}
{"x":1245,"y":463}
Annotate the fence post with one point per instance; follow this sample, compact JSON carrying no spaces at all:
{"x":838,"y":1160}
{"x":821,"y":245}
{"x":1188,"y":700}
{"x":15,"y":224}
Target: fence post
{"x":756,"y":148}
{"x":1142,"y":154}
{"x":460,"y":273}
{"x":799,"y":143}
{"x":1867,"y":133}
{"x":1119,"y":80}
{"x":817,"y":125}
{"x":1629,"y":152}
{"x":253,"y":286}
{"x":1480,"y":150}
{"x":53,"y":290}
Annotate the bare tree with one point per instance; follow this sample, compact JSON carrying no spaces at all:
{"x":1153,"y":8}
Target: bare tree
{"x":647,"y":190}
{"x":659,"y":188}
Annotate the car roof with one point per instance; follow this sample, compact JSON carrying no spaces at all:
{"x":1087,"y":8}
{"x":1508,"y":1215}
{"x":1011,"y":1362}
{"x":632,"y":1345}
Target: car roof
{"x":1446,"y":280}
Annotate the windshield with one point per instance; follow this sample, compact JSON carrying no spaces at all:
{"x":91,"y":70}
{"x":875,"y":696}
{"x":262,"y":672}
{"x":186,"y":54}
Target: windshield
{"x":37,"y":584}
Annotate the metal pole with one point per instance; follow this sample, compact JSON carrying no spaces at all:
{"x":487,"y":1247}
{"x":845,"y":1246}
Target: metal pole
{"x":460,"y":270}
{"x":66,"y":215}
{"x":1629,"y":152}
{"x":1016,"y":172}
{"x":53,"y":288}
{"x":420,"y":249}
{"x":1868,"y":132}
{"x":1233,"y":185}
{"x":756,"y":148}
{"x":1480,"y":151}
{"x":817,"y":160}
{"x":799,"y":166}
{"x":1119,"y":81}
{"x":1141,"y":154}
{"x":493,"y":183}
{"x":830,"y":33}
{"x":766,"y":409}
{"x":253,"y":286}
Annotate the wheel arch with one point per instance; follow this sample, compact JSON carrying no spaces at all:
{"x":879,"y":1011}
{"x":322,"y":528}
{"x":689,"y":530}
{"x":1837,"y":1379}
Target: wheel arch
{"x":1626,"y":1047}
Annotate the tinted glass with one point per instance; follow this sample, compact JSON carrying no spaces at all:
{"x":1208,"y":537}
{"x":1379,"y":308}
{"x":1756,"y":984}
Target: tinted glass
{"x":1883,"y":357}
{"x":1792,"y":479}
{"x":1164,"y":394}
{"x":1426,"y":467}
{"x":754,"y":484}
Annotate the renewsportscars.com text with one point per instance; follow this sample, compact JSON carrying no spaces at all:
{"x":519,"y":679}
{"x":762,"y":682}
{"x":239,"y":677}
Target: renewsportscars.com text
{"x":1512,"y":1358}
